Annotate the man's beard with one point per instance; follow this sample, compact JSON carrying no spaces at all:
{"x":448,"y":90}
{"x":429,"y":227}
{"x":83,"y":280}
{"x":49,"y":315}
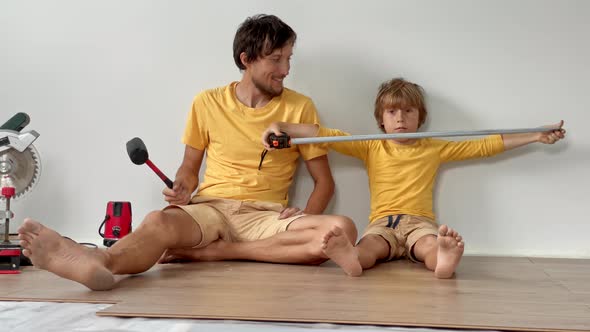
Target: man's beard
{"x":266,"y":90}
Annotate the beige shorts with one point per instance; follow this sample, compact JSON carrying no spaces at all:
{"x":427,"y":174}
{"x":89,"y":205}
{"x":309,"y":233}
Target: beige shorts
{"x":235,"y":220}
{"x":402,"y":231}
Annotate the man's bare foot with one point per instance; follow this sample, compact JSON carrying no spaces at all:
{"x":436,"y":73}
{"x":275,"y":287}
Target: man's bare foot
{"x":338,"y":248}
{"x":215,"y":251}
{"x":50,"y":251}
{"x":450,"y":251}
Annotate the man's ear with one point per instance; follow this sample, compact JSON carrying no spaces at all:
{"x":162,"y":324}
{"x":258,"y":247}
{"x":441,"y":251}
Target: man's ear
{"x":244,"y":59}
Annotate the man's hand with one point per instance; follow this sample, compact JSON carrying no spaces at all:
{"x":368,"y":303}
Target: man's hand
{"x":289,"y":212}
{"x":550,"y":137}
{"x":294,"y":130}
{"x":274,"y":128}
{"x":179,"y":194}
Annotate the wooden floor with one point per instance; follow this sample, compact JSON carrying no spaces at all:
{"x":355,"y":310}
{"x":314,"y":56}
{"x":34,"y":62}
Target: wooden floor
{"x":517,"y":294}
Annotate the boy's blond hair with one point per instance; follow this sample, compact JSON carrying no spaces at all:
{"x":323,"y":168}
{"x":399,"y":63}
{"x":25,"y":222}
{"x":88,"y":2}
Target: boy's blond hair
{"x":399,"y":93}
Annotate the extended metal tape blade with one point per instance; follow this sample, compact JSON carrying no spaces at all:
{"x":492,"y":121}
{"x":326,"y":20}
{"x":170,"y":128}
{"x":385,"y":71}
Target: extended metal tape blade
{"x":20,"y":170}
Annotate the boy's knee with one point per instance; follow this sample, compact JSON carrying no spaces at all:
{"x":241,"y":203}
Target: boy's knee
{"x":425,"y":243}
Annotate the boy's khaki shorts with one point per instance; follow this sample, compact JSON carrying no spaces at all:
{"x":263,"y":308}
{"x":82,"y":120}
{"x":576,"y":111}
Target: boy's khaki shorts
{"x":401,"y":232}
{"x":235,"y":220}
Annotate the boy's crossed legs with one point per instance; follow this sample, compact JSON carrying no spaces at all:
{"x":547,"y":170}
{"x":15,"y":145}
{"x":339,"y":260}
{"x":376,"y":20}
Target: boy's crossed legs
{"x":415,"y":237}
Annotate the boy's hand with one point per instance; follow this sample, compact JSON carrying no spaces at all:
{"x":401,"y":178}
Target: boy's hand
{"x":178,"y":195}
{"x":550,"y":137}
{"x":274,"y":128}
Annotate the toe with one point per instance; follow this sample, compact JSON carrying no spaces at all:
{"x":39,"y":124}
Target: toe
{"x":27,"y":253}
{"x":26,"y":237}
{"x":451,"y":232}
{"x":30,"y":226}
{"x":442,"y":230}
{"x":336,"y":230}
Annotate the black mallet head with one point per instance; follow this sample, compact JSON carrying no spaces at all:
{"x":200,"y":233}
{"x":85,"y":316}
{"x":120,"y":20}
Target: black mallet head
{"x":139,"y":155}
{"x":137,"y":151}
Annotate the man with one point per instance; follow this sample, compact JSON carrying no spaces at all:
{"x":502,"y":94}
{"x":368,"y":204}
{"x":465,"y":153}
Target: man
{"x":243,"y":194}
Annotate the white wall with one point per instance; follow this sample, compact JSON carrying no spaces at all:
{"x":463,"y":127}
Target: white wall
{"x":92,"y":75}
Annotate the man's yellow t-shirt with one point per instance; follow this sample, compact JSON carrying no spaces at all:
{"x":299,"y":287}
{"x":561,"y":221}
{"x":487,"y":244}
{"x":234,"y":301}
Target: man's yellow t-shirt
{"x":230,"y":132}
{"x":401,"y":177}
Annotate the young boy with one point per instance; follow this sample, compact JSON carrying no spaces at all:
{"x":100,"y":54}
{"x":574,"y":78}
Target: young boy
{"x":401,"y":179}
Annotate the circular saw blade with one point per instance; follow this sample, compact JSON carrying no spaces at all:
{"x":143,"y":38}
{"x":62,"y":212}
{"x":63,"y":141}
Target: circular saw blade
{"x":20,"y":170}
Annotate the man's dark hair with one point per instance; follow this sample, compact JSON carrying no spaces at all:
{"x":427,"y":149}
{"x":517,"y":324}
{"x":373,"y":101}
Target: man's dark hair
{"x":259,"y":35}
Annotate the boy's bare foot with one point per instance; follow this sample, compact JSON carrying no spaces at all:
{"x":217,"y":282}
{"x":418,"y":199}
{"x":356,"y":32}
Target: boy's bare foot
{"x":50,"y":251}
{"x":338,"y":248}
{"x":213,"y":252}
{"x":450,"y":251}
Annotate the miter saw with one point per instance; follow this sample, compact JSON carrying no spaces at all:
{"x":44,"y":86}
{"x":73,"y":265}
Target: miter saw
{"x":20,"y":168}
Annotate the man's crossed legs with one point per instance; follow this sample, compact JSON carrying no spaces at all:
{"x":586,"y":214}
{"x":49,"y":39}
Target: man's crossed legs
{"x":310,"y":239}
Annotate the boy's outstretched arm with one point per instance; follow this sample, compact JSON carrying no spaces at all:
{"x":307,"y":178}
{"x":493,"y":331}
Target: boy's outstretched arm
{"x":292,"y":129}
{"x":512,"y":141}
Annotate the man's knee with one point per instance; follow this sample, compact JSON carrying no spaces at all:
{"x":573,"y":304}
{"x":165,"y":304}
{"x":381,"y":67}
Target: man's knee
{"x":347,"y":225}
{"x":162,"y":222}
{"x":156,"y":221}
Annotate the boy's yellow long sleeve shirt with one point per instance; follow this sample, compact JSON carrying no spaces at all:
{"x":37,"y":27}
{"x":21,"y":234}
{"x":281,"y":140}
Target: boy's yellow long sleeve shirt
{"x":402,"y":177}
